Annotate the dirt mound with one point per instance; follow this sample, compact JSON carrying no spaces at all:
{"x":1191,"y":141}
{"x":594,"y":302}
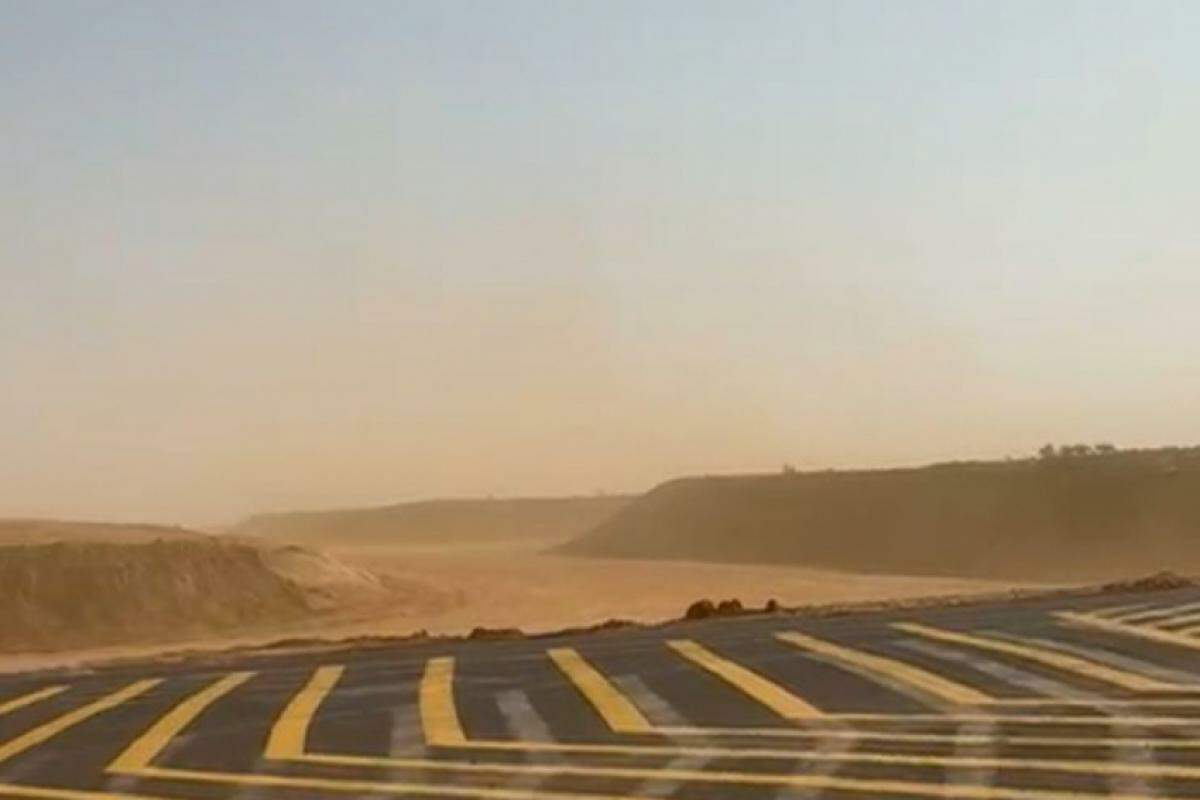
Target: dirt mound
{"x":74,"y":594}
{"x":438,"y":522}
{"x":327,"y":582}
{"x":1159,"y":581}
{"x":1060,"y":519}
{"x":43,"y":531}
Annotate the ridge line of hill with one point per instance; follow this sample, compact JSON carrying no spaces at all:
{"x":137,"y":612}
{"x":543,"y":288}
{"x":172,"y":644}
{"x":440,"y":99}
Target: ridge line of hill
{"x":1076,"y":517}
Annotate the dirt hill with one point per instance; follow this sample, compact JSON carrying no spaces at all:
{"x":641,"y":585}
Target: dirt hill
{"x":1059,"y":518}
{"x":438,"y":522}
{"x":85,"y":593}
{"x":44,"y":531}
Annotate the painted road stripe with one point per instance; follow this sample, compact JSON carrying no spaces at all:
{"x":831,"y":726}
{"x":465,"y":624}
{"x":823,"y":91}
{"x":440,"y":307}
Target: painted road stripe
{"x":300,"y":715}
{"x":1115,"y":612}
{"x":445,"y":699}
{"x":1145,"y":617}
{"x":56,"y":726}
{"x":1131,"y":752}
{"x":1120,"y":659}
{"x":621,"y":715}
{"x":1145,"y":632}
{"x":144,"y":749}
{"x":49,"y":793}
{"x":290,"y":731}
{"x":439,"y":714}
{"x":8,"y":706}
{"x":1178,"y":621}
{"x":966,"y":747}
{"x":765,"y":692}
{"x":1061,"y":661}
{"x":872,"y":788}
{"x":134,"y":761}
{"x":892,"y":669}
{"x":742,"y":778}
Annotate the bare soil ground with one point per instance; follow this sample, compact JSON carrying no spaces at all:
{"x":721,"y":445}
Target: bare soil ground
{"x":395,"y":590}
{"x":519,"y":585}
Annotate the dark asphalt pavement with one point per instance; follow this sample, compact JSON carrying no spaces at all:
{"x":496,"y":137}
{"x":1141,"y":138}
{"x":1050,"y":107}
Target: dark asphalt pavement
{"x":1062,"y":699}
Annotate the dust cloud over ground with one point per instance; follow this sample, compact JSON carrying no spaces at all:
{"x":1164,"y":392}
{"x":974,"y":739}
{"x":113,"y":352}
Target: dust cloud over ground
{"x":520,"y":585}
{"x":447,"y":567}
{"x":75,"y":596}
{"x":439,"y":522}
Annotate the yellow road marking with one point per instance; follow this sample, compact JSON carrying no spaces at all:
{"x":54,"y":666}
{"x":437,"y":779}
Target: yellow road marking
{"x":621,"y":715}
{"x":1067,"y":766}
{"x":136,"y":759}
{"x":9,"y":706}
{"x":1051,"y":658}
{"x":290,"y":730}
{"x":439,"y":713}
{"x":868,"y":786}
{"x":1154,"y":634}
{"x":1114,"y":612}
{"x":1182,"y":620}
{"x":1144,"y":617}
{"x":56,"y":726}
{"x":444,"y":699}
{"x":49,"y":793}
{"x":147,"y":746}
{"x":890,"y":668}
{"x":767,"y":753}
{"x":766,"y":692}
{"x":1103,"y":702}
{"x":283,"y":782}
{"x":949,"y":719}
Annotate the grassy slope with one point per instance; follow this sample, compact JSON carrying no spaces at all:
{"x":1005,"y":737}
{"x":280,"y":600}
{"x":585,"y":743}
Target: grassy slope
{"x":1064,"y":519}
{"x":438,"y":522}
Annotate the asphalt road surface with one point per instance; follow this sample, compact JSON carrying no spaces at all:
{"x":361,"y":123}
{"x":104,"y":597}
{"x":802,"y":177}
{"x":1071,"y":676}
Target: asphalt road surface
{"x":1035,"y":700}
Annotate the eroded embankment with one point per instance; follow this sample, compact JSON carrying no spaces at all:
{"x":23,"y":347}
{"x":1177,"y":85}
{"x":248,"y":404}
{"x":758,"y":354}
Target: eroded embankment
{"x":85,"y":593}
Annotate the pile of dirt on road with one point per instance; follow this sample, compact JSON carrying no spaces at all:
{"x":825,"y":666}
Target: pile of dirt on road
{"x":1061,"y":519}
{"x":438,"y":522}
{"x":69,"y":594}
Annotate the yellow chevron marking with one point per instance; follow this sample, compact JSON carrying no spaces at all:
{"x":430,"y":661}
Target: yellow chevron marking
{"x":765,"y":692}
{"x":1154,"y":634}
{"x":147,"y":746}
{"x":1146,"y":617}
{"x":1050,"y":658}
{"x":9,"y":706}
{"x":439,"y":713}
{"x":48,"y":793}
{"x":56,"y":726}
{"x":621,"y":715}
{"x":1181,"y":620}
{"x":290,"y":730}
{"x":899,"y":671}
{"x":1116,"y":612}
{"x":868,"y":787}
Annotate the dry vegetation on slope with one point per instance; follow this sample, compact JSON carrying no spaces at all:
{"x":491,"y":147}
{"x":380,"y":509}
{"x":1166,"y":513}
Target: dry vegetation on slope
{"x":1059,"y":519}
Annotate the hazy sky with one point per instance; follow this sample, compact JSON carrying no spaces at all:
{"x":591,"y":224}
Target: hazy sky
{"x":278,"y":255}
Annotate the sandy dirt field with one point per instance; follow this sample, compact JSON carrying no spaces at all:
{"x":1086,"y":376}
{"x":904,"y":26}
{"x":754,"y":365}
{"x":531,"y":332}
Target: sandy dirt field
{"x":519,"y":586}
{"x":451,"y":590}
